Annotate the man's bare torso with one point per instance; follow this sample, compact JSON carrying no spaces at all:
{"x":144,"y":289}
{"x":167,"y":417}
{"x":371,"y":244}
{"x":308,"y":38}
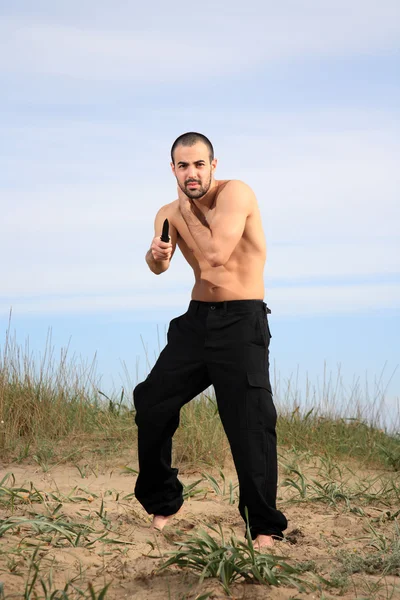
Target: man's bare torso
{"x":241,"y":277}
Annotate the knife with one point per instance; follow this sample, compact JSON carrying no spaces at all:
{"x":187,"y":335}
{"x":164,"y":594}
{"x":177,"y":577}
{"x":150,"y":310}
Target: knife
{"x":165,"y":232}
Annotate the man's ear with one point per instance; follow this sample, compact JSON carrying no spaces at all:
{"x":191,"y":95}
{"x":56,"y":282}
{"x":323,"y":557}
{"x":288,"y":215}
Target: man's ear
{"x":172,"y":167}
{"x":214,"y":164}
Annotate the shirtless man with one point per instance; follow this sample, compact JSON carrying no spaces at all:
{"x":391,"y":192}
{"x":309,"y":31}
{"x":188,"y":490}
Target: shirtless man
{"x":222,"y":339}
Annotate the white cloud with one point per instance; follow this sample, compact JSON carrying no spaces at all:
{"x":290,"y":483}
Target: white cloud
{"x":162,"y":42}
{"x":314,"y":179}
{"x":328,"y":197}
{"x":80,"y":196}
{"x":331,"y":260}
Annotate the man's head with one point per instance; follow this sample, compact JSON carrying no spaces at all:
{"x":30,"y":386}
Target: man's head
{"x":193,"y":164}
{"x":190,"y":139}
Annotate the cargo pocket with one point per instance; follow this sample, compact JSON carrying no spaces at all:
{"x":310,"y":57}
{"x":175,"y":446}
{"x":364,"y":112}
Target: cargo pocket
{"x":260,"y":409}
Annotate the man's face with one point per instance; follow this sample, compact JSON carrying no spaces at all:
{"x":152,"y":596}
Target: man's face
{"x":193,"y":171}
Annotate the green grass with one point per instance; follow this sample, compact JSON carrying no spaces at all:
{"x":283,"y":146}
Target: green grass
{"x":41,"y":587}
{"x":339,"y":437}
{"x":233,"y":561}
{"x":45,"y":402}
{"x":381,"y":555}
{"x":341,"y":487}
{"x":53,"y":410}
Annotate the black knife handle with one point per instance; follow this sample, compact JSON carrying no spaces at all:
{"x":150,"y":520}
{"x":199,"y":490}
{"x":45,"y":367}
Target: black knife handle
{"x":165,"y":231}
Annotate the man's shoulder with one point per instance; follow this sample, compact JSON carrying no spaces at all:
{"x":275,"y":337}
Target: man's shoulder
{"x":229,"y":186}
{"x":169,"y":209}
{"x":237,"y":192}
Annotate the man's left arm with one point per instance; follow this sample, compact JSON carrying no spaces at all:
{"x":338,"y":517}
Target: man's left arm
{"x":218,"y":240}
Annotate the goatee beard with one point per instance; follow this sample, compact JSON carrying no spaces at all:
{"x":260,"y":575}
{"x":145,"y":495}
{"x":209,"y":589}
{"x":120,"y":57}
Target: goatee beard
{"x":196,"y":194}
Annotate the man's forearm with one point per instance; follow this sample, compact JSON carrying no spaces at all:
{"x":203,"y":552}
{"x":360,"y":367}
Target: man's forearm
{"x":202,"y":235}
{"x":156,"y":266}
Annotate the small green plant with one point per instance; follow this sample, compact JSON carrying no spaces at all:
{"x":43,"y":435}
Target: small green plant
{"x":331,"y":467}
{"x":370,"y":490}
{"x":129,"y":470}
{"x":57,"y":531}
{"x":23,"y":452}
{"x":232,"y":560}
{"x":374,"y":563}
{"x":383,"y":560}
{"x":329,"y":492}
{"x":116,"y":406}
{"x":224,"y":489}
{"x":13,"y":496}
{"x":85,"y":470}
{"x":191,"y":490}
{"x":38,"y":587}
{"x":340,"y":580}
{"x":391,"y":455}
{"x":298,"y":483}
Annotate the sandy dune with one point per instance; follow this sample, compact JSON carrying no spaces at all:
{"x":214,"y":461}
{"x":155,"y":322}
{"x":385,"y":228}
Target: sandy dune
{"x":128,"y":556}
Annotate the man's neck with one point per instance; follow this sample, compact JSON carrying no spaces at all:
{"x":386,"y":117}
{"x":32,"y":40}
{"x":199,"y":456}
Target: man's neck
{"x":208,"y":199}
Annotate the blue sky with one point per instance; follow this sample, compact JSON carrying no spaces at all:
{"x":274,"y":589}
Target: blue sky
{"x":301,"y":101}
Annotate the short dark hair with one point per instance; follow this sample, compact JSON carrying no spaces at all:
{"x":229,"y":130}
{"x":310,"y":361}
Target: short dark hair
{"x":190,"y":139}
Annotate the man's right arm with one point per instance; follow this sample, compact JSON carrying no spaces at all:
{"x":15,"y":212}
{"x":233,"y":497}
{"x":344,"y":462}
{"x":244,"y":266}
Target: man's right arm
{"x":160,"y":253}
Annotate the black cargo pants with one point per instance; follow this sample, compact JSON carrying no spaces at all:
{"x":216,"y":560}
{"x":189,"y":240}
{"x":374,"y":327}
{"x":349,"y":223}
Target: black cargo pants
{"x":224,"y":344}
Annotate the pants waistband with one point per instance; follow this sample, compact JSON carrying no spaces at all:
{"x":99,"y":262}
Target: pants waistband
{"x":229,"y":306}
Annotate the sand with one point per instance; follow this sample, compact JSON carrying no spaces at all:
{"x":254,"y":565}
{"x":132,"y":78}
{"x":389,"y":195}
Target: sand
{"x":103,"y":499}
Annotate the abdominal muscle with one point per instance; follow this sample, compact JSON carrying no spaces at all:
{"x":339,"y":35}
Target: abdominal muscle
{"x":231,"y":289}
{"x":240,"y":279}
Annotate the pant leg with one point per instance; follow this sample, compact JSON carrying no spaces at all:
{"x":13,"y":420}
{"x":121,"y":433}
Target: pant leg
{"x":178,"y":376}
{"x":237,"y":358}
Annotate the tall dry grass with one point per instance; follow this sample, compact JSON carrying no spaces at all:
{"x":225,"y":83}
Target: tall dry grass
{"x":335,"y":419}
{"x":53,"y":399}
{"x":53,"y":404}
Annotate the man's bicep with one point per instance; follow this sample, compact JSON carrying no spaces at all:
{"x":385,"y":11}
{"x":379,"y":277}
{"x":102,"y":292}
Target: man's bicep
{"x":230,"y":216}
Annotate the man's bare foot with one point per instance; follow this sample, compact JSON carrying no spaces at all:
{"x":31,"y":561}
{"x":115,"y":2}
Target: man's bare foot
{"x":159,"y":521}
{"x":263,"y":541}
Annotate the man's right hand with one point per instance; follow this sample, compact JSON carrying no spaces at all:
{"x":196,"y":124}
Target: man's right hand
{"x":161,"y":251}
